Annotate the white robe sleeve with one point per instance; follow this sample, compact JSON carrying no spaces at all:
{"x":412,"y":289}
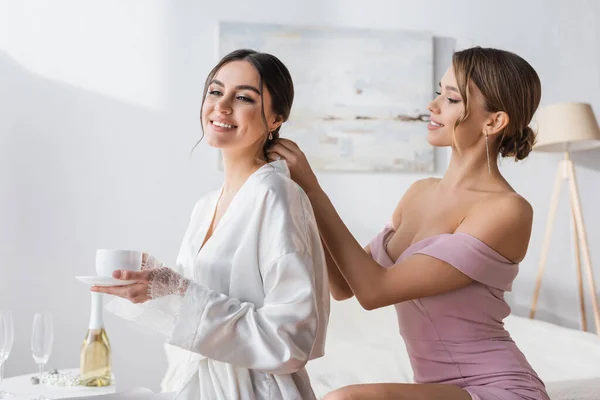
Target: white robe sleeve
{"x":157,"y":315}
{"x":276,"y":338}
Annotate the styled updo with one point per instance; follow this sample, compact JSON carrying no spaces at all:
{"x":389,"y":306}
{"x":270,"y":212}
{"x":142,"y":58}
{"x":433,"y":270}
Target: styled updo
{"x":508,"y":83}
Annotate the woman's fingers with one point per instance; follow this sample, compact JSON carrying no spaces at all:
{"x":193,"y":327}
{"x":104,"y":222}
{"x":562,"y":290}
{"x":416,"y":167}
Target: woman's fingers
{"x":289,"y":144}
{"x":284,"y":149}
{"x":281,"y":150}
{"x":136,"y":293}
{"x":287,"y":147}
{"x":128,"y":275}
{"x":273,"y":156}
{"x":297,"y":162}
{"x":132,"y":292}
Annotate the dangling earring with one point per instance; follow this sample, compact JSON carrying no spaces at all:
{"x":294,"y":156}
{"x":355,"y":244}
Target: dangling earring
{"x":270,"y":135}
{"x":487,"y":152}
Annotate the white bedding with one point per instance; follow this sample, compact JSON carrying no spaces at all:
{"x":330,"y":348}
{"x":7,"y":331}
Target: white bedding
{"x":365,"y":347}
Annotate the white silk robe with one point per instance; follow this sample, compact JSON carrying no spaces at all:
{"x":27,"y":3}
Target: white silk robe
{"x":259,"y":308}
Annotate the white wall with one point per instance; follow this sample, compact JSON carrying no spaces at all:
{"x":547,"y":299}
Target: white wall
{"x":99,"y":110}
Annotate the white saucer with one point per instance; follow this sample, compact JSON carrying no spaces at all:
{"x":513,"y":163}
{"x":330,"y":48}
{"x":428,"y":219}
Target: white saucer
{"x":104,"y":281}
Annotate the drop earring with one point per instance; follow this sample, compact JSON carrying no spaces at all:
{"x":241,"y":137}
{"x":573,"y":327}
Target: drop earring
{"x":487,"y":152}
{"x":270,"y":135}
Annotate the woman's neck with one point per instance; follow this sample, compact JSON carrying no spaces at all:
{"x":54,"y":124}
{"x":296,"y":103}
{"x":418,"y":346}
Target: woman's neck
{"x":238,"y":167}
{"x":470,"y":169}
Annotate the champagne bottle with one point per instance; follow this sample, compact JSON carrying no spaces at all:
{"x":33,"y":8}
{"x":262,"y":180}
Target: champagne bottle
{"x":95,"y":356}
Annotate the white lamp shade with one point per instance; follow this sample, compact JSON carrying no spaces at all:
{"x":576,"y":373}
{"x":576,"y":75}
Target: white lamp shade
{"x":566,"y":127}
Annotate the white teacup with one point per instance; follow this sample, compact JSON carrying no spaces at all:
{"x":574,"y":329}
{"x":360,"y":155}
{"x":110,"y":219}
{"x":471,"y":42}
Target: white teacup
{"x":108,"y":261}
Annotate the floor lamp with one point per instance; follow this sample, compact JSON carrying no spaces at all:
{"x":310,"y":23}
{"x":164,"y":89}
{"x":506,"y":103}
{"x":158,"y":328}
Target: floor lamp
{"x":566,"y":128}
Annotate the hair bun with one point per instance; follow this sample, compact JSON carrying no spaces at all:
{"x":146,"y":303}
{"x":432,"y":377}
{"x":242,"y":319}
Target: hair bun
{"x":518,"y":145}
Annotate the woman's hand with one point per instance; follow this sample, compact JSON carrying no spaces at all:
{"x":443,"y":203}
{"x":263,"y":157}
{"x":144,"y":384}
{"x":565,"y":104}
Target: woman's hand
{"x":136,"y":293}
{"x":302,"y":173}
{"x":151,"y":284}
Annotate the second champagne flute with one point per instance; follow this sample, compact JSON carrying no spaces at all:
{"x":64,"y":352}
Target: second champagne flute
{"x":42,"y":338}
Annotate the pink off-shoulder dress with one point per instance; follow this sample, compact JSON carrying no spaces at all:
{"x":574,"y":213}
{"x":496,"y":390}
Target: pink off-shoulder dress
{"x":458,"y":337}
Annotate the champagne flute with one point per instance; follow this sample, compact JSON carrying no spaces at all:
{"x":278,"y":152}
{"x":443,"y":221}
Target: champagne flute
{"x":42,"y":338}
{"x":7,"y":336}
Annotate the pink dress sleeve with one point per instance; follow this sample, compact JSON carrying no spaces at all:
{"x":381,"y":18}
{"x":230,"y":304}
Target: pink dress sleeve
{"x":473,"y":258}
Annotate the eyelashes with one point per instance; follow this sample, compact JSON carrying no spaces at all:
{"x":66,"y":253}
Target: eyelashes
{"x":450,"y":100}
{"x":243,"y":98}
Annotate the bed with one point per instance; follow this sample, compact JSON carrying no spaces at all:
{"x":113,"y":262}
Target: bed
{"x":365,"y":347}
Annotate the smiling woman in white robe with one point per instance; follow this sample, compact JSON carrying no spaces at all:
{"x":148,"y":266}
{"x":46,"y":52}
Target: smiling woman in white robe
{"x":247,"y":304}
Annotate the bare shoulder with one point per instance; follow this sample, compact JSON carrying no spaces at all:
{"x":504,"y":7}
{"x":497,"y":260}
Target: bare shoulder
{"x":512,"y":209}
{"x":503,"y":222}
{"x":422,"y":184}
{"x":414,"y":190}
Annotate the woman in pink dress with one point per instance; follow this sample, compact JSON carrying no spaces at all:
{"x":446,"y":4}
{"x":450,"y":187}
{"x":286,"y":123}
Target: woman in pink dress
{"x":453,"y":245}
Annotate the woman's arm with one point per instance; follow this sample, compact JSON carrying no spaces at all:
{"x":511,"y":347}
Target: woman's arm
{"x":503,"y":224}
{"x":499,"y":225}
{"x":340,"y":290}
{"x":277,"y":337}
{"x":363,"y":274}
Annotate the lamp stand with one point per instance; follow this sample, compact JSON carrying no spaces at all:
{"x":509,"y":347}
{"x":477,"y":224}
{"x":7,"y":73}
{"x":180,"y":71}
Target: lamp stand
{"x":566,"y":171}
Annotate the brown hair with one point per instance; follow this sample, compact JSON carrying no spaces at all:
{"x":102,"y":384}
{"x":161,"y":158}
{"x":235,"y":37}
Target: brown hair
{"x":508,"y":83}
{"x":273,"y":74}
